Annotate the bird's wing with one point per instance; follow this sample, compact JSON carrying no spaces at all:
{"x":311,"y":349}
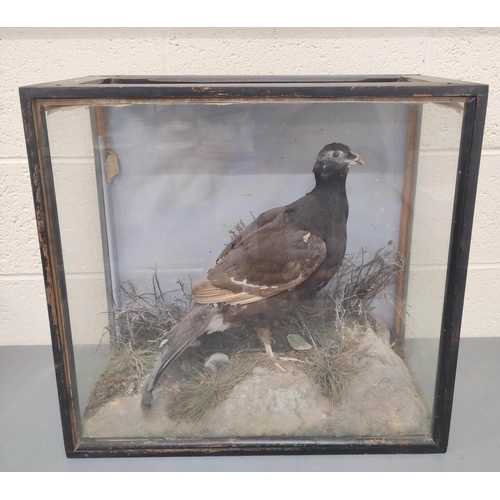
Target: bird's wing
{"x":265,"y":262}
{"x":263,"y":219}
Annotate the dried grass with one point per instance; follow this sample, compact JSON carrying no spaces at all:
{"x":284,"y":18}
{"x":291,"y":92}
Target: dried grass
{"x":330,"y":322}
{"x":333,"y":366}
{"x":357,"y":283}
{"x":205,"y":389}
{"x":144,"y":320}
{"x":238,"y":228}
{"x":138,"y":329}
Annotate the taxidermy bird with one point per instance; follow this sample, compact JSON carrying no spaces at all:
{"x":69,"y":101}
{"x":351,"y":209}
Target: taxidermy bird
{"x":284,"y":256}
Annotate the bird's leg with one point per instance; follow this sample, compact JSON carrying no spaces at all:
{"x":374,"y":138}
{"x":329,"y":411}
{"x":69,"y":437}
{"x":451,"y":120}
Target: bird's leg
{"x":264,"y":334}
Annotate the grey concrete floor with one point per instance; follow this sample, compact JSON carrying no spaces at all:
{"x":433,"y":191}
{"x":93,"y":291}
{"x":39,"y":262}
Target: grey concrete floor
{"x":31,"y":436}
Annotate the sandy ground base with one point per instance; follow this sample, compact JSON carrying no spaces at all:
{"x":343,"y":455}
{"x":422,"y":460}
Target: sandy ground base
{"x":381,"y":399}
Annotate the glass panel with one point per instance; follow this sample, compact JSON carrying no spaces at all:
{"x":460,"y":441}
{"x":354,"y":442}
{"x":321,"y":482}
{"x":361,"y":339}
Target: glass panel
{"x":431,"y":228}
{"x":321,"y":318}
{"x":76,"y":189}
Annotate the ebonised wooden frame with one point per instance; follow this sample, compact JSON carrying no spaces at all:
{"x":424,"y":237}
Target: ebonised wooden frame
{"x":116,"y":89}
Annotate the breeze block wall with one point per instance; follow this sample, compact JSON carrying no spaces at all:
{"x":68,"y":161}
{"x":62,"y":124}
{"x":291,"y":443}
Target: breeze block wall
{"x":36,"y":55}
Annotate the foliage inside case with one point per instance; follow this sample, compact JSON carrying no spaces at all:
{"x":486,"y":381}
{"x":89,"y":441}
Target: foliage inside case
{"x":324,"y":348}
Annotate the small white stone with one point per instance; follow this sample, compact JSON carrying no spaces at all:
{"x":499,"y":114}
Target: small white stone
{"x":214,"y":359}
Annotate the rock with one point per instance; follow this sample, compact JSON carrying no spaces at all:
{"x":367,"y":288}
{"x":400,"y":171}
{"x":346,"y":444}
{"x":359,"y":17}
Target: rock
{"x":216,"y":359}
{"x":382,"y":331}
{"x":381,"y":399}
{"x":271,"y":403}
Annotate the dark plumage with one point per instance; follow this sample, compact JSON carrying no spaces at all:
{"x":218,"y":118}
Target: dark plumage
{"x":285,"y":255}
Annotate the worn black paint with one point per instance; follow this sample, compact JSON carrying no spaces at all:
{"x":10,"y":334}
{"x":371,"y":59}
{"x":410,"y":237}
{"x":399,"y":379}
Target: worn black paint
{"x":370,"y":87}
{"x":458,"y":258}
{"x":45,"y":220}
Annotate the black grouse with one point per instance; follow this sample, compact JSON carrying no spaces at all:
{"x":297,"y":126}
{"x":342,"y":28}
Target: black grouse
{"x":285,"y":255}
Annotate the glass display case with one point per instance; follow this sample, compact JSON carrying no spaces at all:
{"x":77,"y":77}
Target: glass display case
{"x":254,"y":264}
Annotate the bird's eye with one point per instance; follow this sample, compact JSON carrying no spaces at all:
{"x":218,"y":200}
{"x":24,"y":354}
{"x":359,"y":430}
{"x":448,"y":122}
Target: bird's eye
{"x":336,"y":154}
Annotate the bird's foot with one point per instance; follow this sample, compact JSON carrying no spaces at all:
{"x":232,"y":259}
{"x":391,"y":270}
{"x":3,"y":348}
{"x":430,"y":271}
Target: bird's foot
{"x":280,"y":367}
{"x":284,"y":358}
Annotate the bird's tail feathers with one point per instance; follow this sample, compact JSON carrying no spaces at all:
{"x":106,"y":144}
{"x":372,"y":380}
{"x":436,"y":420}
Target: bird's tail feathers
{"x":191,"y":326}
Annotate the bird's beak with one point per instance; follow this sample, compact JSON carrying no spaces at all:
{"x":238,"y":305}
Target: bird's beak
{"x":357,"y":160}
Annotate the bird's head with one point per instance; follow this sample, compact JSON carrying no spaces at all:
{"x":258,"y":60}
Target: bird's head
{"x":334,"y":161}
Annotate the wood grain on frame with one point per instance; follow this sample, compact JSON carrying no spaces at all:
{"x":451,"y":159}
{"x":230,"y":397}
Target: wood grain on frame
{"x":405,"y":227}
